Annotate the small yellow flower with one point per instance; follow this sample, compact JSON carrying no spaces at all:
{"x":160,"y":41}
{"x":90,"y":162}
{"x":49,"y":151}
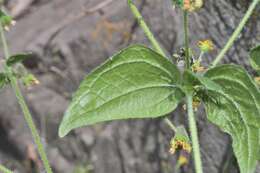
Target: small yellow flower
{"x":206,"y":45}
{"x":183,"y":160}
{"x":179,"y":144}
{"x":192,"y":5}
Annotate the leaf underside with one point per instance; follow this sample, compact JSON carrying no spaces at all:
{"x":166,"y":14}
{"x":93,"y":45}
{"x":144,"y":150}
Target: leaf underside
{"x":135,"y":83}
{"x":236,"y":110}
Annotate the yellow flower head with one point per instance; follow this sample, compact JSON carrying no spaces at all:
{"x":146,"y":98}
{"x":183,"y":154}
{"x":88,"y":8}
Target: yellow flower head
{"x":206,"y":45}
{"x":192,"y":5}
{"x":180,"y":141}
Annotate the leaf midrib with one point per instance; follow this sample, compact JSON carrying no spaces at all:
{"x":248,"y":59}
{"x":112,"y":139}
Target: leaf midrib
{"x":99,"y":107}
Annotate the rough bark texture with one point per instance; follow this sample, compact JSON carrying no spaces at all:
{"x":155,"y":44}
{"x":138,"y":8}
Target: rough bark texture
{"x":64,"y":54}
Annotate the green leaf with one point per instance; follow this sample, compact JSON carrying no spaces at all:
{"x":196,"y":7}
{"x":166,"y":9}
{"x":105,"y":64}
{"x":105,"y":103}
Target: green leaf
{"x":17,"y":59}
{"x":3,"y":80}
{"x":255,"y":58}
{"x":194,"y":81}
{"x":236,"y":110}
{"x":135,"y":83}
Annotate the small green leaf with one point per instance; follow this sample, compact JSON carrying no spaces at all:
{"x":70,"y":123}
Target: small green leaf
{"x":135,"y":83}
{"x":193,"y":81}
{"x":255,"y":58}
{"x":236,"y":110}
{"x":17,"y":59}
{"x":3,"y":80}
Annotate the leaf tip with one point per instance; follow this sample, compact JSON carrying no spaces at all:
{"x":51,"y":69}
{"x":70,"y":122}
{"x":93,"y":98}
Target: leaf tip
{"x":63,"y":131}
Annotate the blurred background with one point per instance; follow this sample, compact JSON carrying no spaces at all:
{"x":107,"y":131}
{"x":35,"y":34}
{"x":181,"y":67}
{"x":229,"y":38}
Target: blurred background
{"x":68,"y":38}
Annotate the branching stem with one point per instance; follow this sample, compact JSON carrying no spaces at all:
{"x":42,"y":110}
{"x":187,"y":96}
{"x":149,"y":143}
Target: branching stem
{"x":24,"y":107}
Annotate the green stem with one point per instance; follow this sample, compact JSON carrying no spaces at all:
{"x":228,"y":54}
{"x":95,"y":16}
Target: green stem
{"x":186,"y":39}
{"x":201,"y":55}
{"x":194,"y":136}
{"x":5,"y":170}
{"x":24,"y":107}
{"x":170,"y":124}
{"x":152,"y":39}
{"x":145,"y":28}
{"x":235,"y":34}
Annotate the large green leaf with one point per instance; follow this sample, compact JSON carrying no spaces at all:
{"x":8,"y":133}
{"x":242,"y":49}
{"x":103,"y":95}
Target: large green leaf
{"x":255,"y":58}
{"x":236,"y":110}
{"x":135,"y":83}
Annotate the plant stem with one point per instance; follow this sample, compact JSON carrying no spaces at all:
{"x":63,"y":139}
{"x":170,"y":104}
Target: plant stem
{"x":236,"y":33}
{"x":145,"y":28}
{"x":4,"y":169}
{"x":186,"y":39}
{"x":201,"y":55}
{"x":24,"y":107}
{"x":152,"y":39}
{"x":170,"y":124}
{"x":194,"y":136}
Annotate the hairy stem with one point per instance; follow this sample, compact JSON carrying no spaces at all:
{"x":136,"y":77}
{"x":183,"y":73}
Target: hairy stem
{"x":4,"y":169}
{"x":24,"y":107}
{"x":186,"y":38}
{"x":236,"y":33}
{"x":145,"y":28}
{"x":194,"y":136}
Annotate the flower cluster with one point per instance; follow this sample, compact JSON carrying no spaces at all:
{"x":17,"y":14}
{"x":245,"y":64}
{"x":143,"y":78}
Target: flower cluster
{"x":179,"y":144}
{"x":6,"y":20}
{"x":206,"y":45}
{"x":189,"y":5}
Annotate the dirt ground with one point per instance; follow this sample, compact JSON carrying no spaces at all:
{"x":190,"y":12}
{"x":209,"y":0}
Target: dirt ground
{"x":68,"y":39}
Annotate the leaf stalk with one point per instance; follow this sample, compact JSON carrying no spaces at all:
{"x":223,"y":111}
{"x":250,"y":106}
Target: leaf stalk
{"x":145,"y":27}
